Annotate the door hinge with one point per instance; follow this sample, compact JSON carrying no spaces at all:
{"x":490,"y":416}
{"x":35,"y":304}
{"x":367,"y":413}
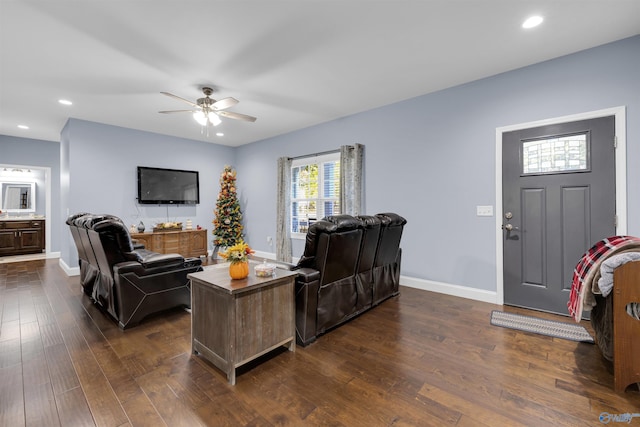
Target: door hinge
{"x":615,"y":221}
{"x":615,"y":141}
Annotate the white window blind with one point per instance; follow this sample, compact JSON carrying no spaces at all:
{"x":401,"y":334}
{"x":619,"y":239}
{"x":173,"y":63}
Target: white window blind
{"x":315,"y":190}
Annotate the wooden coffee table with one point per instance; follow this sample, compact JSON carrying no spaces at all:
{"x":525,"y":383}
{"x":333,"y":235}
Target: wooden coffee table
{"x":236,"y":321}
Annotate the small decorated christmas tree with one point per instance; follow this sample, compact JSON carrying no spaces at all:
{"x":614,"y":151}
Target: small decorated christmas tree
{"x":227,"y":225}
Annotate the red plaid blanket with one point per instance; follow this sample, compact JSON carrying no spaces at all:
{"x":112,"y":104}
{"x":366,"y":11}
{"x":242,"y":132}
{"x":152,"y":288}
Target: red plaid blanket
{"x":587,"y":271}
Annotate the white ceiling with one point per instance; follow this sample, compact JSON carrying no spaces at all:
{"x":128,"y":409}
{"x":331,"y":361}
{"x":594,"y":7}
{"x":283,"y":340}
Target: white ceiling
{"x":292,"y":63}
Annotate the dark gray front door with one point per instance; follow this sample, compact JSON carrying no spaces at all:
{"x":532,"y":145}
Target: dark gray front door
{"x":558,"y":186}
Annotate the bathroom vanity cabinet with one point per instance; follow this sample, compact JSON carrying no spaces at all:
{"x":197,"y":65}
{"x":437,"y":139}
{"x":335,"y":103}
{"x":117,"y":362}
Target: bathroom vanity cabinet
{"x":21,"y":236}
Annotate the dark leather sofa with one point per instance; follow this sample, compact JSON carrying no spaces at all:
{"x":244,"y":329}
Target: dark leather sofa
{"x":349,"y":265}
{"x":127,"y":281}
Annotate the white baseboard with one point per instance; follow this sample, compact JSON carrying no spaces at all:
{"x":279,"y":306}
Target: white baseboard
{"x":449,"y":289}
{"x":425,"y":285}
{"x":28,"y":257}
{"x":265,"y":255}
{"x":271,"y":256}
{"x":69,"y":271}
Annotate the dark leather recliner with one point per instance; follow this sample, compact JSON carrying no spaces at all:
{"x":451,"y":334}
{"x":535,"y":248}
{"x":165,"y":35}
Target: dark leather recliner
{"x":79,"y":225}
{"x":365,"y":279}
{"x":349,"y":265}
{"x":386,"y":267}
{"x":130,"y":283}
{"x":88,"y":270}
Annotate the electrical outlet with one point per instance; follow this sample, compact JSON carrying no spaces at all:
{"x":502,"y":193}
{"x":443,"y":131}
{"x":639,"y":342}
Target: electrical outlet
{"x":484,"y":210}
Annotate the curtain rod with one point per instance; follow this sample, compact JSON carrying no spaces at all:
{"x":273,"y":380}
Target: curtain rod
{"x":315,"y":154}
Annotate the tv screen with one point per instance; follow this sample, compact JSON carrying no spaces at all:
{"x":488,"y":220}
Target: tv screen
{"x":168,"y":186}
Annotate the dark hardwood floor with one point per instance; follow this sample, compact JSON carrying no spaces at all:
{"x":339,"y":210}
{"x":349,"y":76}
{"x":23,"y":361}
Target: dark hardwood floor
{"x":419,"y":359}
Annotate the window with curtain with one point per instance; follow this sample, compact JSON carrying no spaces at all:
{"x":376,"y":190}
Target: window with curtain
{"x":315,"y":190}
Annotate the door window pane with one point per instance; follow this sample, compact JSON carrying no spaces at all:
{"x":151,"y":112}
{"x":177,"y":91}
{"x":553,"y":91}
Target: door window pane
{"x":555,"y":155}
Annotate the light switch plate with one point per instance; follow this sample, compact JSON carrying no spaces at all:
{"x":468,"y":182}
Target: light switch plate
{"x":484,"y":210}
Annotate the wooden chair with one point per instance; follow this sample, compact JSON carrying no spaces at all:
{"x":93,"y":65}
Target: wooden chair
{"x":626,"y":329}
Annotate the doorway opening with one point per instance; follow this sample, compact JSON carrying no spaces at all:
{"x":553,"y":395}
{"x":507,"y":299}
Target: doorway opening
{"x":42,"y":177}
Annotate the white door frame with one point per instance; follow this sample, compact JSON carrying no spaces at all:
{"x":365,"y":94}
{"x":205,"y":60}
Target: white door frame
{"x":621,"y":176}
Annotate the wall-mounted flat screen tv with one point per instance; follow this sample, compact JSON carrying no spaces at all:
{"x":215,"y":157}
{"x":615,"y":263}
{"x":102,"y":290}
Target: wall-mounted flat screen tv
{"x":168,"y":186}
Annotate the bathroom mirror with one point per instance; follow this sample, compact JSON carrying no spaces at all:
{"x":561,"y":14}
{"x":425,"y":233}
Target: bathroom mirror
{"x":18,"y":197}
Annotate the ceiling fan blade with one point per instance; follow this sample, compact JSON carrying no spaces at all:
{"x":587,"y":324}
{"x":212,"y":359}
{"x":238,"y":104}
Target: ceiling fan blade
{"x":178,"y":111}
{"x":237,"y":116}
{"x":225,"y":103}
{"x":179,"y":98}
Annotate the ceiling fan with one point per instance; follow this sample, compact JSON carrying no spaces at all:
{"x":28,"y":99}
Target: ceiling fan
{"x":207,"y":111}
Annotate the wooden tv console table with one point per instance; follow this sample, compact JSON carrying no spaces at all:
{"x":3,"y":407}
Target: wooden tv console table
{"x":188,"y":243}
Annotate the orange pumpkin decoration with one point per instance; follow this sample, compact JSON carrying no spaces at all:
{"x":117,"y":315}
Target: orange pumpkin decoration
{"x":239,"y":270}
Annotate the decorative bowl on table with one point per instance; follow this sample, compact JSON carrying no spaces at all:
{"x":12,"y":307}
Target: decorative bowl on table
{"x":265,"y":270}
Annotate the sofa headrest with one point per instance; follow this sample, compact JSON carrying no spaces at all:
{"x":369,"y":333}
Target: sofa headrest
{"x":369,"y":221}
{"x":328,"y":225}
{"x":116,"y":230}
{"x":72,"y":218}
{"x":87,"y":221}
{"x":344,"y":222}
{"x":113,"y":218}
{"x":322,"y":226}
{"x":389,"y":219}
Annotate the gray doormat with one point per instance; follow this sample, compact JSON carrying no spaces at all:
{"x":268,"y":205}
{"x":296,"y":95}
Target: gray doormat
{"x":567,"y":331}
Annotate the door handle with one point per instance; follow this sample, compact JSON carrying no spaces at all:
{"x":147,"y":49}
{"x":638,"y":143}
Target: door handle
{"x":510,"y":227}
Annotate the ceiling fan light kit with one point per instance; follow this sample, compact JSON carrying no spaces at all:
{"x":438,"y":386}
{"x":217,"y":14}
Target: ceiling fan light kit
{"x":207,"y":119}
{"x":207,"y":111}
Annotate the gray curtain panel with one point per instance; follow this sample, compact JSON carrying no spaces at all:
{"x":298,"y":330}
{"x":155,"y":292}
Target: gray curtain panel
{"x":283,"y":215}
{"x":351,"y":160}
{"x":351,"y":179}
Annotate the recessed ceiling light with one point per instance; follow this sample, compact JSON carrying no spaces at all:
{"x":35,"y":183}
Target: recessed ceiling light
{"x":219,"y":134}
{"x":65,"y":102}
{"x":23,"y":126}
{"x":532,"y":21}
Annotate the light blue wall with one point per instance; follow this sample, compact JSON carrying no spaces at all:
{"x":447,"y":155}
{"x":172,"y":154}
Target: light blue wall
{"x":38,"y":154}
{"x":432,"y":158}
{"x":101,"y":160}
